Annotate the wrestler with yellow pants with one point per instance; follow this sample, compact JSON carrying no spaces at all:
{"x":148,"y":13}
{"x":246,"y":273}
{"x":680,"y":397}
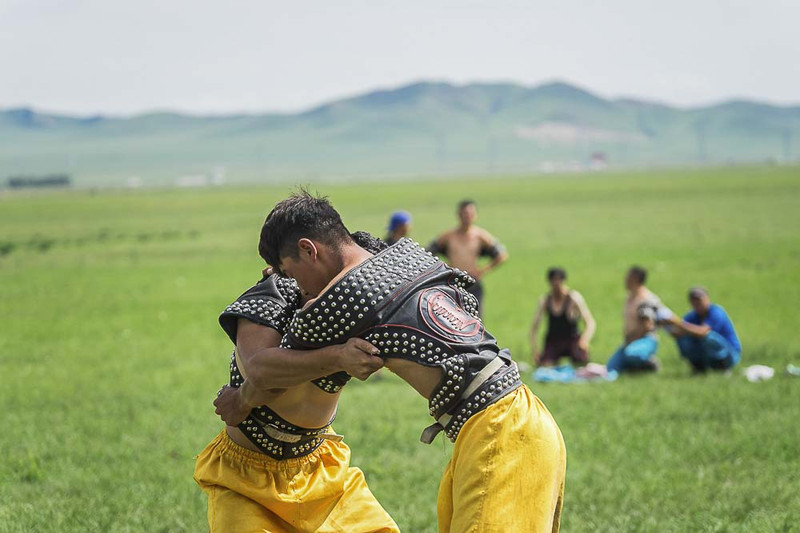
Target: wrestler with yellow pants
{"x":278,"y":466}
{"x":507,"y":470}
{"x":250,"y":492}
{"x":509,"y":461}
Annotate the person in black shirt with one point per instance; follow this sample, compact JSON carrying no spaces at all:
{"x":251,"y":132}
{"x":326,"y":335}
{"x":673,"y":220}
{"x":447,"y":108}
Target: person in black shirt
{"x":564,"y":307}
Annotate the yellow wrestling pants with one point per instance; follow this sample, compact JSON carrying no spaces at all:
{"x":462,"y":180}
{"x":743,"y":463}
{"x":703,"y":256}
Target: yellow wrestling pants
{"x":249,"y":492}
{"x":507,"y":471}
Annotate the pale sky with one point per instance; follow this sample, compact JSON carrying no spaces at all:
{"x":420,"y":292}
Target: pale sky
{"x":199,"y":56}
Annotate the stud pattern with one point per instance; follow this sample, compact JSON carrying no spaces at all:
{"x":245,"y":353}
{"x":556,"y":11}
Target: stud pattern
{"x":303,"y":440}
{"x":338,"y":312}
{"x":504,"y":381}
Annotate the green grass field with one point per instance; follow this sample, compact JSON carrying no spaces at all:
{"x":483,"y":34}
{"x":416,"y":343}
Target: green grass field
{"x":110,"y":353}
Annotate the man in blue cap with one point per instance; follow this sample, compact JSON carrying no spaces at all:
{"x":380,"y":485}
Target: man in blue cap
{"x":399,"y":227}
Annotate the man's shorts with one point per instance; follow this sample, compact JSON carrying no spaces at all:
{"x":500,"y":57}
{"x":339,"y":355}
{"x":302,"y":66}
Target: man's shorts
{"x":507,"y":471}
{"x":555,"y":349}
{"x":248,"y":491}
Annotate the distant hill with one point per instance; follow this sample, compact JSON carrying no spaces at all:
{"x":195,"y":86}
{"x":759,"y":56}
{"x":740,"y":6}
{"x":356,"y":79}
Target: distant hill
{"x":423,"y":128}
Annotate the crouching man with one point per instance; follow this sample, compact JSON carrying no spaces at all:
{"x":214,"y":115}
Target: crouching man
{"x":706,"y":337}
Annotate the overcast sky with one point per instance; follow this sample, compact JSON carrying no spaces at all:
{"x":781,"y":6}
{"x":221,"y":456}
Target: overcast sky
{"x":122,"y":57}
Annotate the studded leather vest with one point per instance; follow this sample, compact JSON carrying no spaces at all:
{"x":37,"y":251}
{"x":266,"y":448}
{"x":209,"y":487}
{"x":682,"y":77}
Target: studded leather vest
{"x":414,"y":307}
{"x":271,"y":303}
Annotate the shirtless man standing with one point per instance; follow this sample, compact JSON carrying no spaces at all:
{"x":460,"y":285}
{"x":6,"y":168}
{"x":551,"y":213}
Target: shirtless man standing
{"x":642,"y":313}
{"x":464,"y":245}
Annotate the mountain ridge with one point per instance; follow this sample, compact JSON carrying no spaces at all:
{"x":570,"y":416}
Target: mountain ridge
{"x":424,"y":127}
{"x":546,"y":85}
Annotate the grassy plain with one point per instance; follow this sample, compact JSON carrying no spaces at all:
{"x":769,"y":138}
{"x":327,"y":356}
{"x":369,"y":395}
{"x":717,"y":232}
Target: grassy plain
{"x":110,"y":353}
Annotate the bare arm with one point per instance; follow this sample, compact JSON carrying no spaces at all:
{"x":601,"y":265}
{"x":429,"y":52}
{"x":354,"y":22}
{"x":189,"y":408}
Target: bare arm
{"x":501,"y":258}
{"x":270,"y":370}
{"x":268,"y":367}
{"x":234,"y":404}
{"x":487,"y":241}
{"x":681,"y":327}
{"x":586,"y":315}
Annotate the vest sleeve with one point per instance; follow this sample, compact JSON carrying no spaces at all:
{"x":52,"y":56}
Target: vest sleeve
{"x":271,"y":302}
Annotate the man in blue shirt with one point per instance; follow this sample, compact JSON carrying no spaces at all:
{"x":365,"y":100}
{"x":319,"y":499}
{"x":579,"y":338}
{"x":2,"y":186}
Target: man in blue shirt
{"x":705,"y":336}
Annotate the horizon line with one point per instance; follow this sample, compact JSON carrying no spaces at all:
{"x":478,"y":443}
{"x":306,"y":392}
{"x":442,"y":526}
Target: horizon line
{"x":390,"y":88}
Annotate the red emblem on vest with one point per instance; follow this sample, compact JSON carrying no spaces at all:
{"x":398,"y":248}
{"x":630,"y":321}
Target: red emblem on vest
{"x":442,"y":314}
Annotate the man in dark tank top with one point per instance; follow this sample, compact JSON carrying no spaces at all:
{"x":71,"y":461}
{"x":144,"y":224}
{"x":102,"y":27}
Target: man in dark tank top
{"x":564,"y":308}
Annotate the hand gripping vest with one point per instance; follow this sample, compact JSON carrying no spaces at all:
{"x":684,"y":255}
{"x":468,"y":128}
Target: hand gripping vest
{"x":414,"y":307}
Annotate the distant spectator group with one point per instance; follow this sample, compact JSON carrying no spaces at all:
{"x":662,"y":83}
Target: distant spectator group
{"x":705,"y":336}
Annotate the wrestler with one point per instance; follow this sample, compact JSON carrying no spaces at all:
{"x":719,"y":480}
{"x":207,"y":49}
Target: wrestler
{"x":278,"y":466}
{"x":466,"y":244}
{"x":508,"y":465}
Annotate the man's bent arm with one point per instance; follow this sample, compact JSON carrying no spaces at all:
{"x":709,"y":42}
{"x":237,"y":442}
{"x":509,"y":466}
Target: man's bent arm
{"x":588,"y":319}
{"x":501,"y":258}
{"x":266,"y":366}
{"x":492,"y":247}
{"x":688,"y":328}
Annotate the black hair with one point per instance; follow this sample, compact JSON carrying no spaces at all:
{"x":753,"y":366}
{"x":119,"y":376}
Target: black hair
{"x":302,"y":215}
{"x":556,"y":272}
{"x":639,"y":273}
{"x":464,"y":203}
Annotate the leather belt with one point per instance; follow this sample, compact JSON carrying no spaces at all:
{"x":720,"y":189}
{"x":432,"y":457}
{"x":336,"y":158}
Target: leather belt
{"x":487,"y":374}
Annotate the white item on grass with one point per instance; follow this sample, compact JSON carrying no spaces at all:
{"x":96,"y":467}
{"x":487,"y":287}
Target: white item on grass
{"x":758,"y":373}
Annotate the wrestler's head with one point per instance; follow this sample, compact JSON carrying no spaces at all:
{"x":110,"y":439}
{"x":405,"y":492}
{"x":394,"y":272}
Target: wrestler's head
{"x":302,"y":238}
{"x":467,"y":212}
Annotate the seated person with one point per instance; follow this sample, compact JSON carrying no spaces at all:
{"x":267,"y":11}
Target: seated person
{"x":706,"y":336}
{"x":643,"y":311}
{"x":565,"y":308}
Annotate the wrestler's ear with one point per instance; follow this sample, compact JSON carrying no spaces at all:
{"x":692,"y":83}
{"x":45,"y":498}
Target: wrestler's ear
{"x":308,"y":250}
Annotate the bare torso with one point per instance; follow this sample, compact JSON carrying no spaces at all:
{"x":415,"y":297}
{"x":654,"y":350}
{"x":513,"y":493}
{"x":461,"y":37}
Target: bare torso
{"x":464,"y":248}
{"x":306,"y":406}
{"x":634,"y":327}
{"x":422,"y":378}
